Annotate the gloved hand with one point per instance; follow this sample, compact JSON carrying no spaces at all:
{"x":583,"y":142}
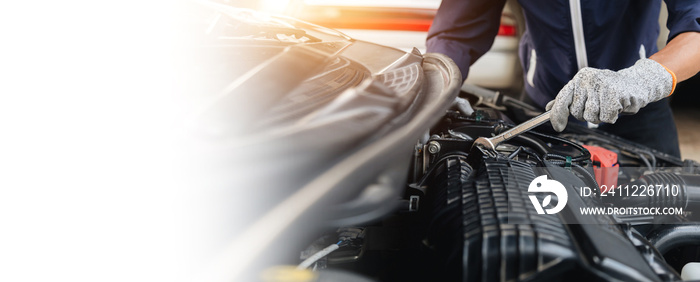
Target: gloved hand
{"x":596,"y":95}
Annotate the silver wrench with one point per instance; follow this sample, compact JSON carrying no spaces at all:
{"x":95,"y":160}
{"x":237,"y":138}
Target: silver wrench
{"x":492,"y":142}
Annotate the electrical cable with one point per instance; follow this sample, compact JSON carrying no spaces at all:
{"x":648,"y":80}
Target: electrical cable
{"x":653,"y":158}
{"x":585,"y":154}
{"x":559,"y":159}
{"x":645,"y":160}
{"x":587,"y":175}
{"x":625,"y":147}
{"x":318,"y":255}
{"x":515,"y":153}
{"x":532,"y":142}
{"x":562,"y":160}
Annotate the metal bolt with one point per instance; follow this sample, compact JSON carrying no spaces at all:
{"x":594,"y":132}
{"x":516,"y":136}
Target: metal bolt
{"x":433,"y":147}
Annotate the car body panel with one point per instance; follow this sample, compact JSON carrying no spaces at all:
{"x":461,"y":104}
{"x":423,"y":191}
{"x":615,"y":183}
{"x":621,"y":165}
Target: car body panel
{"x":404,"y":25}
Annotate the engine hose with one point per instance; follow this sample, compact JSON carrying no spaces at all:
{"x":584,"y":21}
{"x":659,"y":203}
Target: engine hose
{"x":669,"y":190}
{"x":671,"y":236}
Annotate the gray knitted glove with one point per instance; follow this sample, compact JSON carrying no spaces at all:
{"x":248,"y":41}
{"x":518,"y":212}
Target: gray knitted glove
{"x":596,"y":95}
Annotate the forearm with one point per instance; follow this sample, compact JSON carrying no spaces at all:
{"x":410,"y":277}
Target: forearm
{"x":464,"y":30}
{"x":681,"y":55}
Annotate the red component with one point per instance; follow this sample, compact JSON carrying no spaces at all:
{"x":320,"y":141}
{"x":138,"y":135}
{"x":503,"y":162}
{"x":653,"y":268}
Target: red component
{"x":506,"y":30}
{"x":605,"y":167}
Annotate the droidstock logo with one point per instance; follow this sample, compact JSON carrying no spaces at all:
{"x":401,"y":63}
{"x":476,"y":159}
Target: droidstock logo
{"x":543,"y":185}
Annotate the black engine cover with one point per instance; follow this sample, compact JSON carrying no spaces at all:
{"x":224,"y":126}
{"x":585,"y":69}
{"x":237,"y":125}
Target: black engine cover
{"x":484,"y":228}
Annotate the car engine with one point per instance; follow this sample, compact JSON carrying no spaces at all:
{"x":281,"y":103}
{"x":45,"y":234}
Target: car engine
{"x":467,"y":215}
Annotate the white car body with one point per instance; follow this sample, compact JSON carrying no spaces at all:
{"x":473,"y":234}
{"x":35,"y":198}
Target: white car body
{"x":497,"y":69}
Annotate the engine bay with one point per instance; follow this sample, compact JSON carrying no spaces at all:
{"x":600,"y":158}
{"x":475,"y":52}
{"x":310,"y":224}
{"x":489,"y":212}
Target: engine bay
{"x":364,"y":163}
{"x":470,"y":215}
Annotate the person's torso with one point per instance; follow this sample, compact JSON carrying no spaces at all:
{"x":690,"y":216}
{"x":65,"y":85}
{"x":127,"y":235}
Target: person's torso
{"x":564,"y":36}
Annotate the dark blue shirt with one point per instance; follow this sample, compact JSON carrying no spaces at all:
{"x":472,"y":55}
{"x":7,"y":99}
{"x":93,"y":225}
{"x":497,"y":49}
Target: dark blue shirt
{"x":562,"y":36}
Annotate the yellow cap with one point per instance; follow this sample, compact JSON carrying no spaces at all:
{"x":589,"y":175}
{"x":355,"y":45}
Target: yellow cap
{"x":286,"y":273}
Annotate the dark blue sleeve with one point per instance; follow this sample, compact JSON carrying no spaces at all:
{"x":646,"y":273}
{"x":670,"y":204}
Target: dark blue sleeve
{"x":464,"y":30}
{"x":683,"y":16}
